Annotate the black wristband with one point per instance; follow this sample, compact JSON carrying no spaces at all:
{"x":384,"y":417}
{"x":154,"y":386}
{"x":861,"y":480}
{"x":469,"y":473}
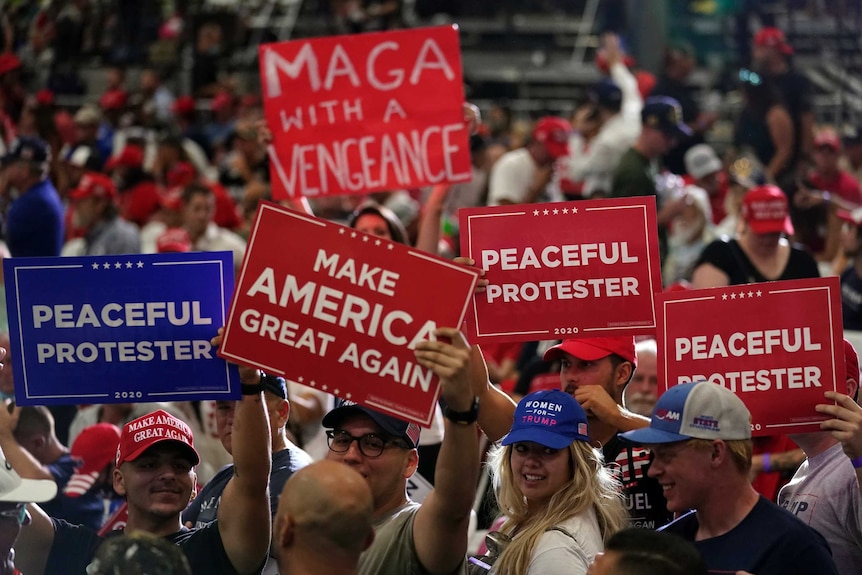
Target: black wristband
{"x":253,"y":388}
{"x":462,"y":417}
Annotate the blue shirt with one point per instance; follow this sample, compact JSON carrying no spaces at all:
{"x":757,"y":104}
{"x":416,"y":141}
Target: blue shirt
{"x":34,"y":225}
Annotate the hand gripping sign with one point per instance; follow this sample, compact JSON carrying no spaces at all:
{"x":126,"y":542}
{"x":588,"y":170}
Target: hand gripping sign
{"x":341,"y":311}
{"x":777,"y":345}
{"x":114,"y":329}
{"x":356,"y":114}
{"x":563,"y":270}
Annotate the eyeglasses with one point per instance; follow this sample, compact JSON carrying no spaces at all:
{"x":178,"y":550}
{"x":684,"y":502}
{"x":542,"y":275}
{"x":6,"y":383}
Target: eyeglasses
{"x":370,"y":445}
{"x":18,"y":513}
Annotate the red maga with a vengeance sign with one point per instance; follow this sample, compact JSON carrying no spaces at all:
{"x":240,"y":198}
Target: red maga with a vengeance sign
{"x":777,"y":345}
{"x":356,"y":114}
{"x":564,"y":270}
{"x":341,"y":311}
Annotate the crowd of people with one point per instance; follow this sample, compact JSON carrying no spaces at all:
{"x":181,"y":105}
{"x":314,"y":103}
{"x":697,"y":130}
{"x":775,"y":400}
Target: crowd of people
{"x":586,"y":474}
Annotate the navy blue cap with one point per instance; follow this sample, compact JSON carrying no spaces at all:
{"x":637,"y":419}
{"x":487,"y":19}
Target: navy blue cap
{"x":406,"y":430}
{"x":606,"y":94}
{"x":551,"y":418}
{"x":27,"y":149}
{"x":665,"y":114}
{"x":275,"y":385}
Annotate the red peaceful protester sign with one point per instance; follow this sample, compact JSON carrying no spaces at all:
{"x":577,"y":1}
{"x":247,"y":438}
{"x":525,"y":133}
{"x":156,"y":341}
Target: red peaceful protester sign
{"x":564,"y":270}
{"x":776,"y":345}
{"x":342,"y":311}
{"x":356,"y":114}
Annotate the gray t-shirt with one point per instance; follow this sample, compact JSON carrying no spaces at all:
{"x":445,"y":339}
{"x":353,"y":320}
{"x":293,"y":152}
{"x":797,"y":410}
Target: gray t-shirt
{"x":824,"y":494}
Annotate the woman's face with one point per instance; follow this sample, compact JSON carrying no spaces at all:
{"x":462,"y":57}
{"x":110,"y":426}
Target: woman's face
{"x":374,"y":225}
{"x":765,"y":242}
{"x":539,"y":471}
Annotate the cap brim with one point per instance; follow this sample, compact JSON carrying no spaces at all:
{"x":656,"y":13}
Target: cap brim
{"x":650,"y":435}
{"x":540,"y":436}
{"x":576,"y":348}
{"x":339,"y":414}
{"x":679,"y":131}
{"x":31,"y":491}
{"x":140,"y":451}
{"x":772,"y":227}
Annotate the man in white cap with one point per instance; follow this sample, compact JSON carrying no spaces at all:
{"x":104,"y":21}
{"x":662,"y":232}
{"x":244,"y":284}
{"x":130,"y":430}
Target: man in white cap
{"x":15,"y":493}
{"x":700,"y":436}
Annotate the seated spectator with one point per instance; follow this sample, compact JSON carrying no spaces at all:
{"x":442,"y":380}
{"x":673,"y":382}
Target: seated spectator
{"x":96,"y":214}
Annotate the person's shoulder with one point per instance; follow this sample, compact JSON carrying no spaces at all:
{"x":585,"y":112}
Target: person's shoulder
{"x":685,"y":526}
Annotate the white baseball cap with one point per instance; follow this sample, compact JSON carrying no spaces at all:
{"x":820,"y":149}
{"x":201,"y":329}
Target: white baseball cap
{"x":15,"y":489}
{"x":701,"y":160}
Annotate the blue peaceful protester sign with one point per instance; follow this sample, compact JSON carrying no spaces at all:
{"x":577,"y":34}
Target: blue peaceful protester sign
{"x":111,"y":329}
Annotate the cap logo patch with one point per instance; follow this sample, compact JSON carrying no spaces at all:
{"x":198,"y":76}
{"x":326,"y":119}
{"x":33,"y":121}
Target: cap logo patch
{"x":667,"y":415}
{"x":705,"y":422}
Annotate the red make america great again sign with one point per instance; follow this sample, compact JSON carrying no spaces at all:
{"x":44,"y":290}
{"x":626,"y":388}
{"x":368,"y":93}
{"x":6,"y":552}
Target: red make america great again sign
{"x":341,"y":311}
{"x":368,"y":112}
{"x":777,"y":345}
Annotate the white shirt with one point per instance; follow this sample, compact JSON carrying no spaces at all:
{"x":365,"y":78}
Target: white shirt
{"x":511,"y":178}
{"x":216,"y":239}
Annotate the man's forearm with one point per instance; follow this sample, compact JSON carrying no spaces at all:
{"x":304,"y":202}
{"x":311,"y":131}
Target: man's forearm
{"x":251,"y":440}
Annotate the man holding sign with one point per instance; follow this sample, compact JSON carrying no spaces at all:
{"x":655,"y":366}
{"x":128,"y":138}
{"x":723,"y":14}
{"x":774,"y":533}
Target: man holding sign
{"x":700,"y":435}
{"x":155,"y":472}
{"x":412,"y":538}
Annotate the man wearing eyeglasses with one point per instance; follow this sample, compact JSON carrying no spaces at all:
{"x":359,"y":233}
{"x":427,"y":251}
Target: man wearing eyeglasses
{"x":15,"y":493}
{"x":412,"y":538}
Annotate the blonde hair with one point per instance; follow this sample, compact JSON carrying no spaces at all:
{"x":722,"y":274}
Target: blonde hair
{"x":740,"y":451}
{"x":591,"y":485}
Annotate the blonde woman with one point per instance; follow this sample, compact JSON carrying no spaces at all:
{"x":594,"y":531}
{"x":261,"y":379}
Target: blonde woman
{"x":561,"y":504}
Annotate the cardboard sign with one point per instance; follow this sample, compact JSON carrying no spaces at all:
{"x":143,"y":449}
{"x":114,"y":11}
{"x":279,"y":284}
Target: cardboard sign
{"x":115,"y":329}
{"x":368,"y":112}
{"x":777,"y":345}
{"x":564,"y":270}
{"x":342,"y":311}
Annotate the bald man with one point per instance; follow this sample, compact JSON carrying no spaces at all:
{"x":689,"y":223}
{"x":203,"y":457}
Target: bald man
{"x":323,"y":521}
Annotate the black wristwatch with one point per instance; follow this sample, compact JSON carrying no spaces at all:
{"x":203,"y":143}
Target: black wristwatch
{"x":462,"y":417}
{"x":253,"y":388}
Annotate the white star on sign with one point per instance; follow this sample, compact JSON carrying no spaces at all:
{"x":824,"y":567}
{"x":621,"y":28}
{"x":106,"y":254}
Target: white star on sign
{"x":107,"y":266}
{"x":751,"y":294}
{"x":341,"y":231}
{"x":724,"y":296}
{"x":335,"y":391}
{"x":758,"y":293}
{"x":565,"y":210}
{"x":364,"y":238}
{"x":128,"y":265}
{"x":733,"y":296}
{"x":140,"y":265}
{"x":535,"y":212}
{"x":95,"y":266}
{"x":574,"y":210}
{"x":312,"y":383}
{"x":556,"y":211}
{"x":545,"y":212}
{"x":389,"y":247}
{"x":324,"y":387}
{"x":348,"y":396}
{"x":352,"y":234}
{"x":377,"y":242}
{"x":300,"y":379}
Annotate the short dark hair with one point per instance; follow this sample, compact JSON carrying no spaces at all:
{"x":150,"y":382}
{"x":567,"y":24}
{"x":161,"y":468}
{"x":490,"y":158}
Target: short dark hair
{"x":194,"y":189}
{"x":648,"y":552}
{"x":34,"y":420}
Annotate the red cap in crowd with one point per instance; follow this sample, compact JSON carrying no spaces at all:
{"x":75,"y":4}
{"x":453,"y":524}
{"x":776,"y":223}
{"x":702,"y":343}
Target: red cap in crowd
{"x":765,"y":210}
{"x":113,"y":100}
{"x":829,"y":139}
{"x":95,"y":447}
{"x":173,"y":240}
{"x":774,"y":38}
{"x":221,"y":101}
{"x":9,"y":62}
{"x":594,"y":348}
{"x":45,"y":97}
{"x":553,"y":132}
{"x":182,"y":174}
{"x":184,"y":105}
{"x":159,"y":426}
{"x":93,"y":185}
{"x":132,"y":156}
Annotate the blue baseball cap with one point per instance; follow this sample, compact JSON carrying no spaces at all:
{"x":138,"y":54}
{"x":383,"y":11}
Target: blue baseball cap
{"x":664,"y":114}
{"x":700,"y":410}
{"x":551,"y":418}
{"x":406,"y":430}
{"x":27,"y":149}
{"x":606,"y":93}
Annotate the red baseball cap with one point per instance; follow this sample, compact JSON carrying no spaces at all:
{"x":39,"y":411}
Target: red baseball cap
{"x":773,"y":37}
{"x":94,"y":185}
{"x":9,"y":62}
{"x":182,"y":174}
{"x":96,"y":447}
{"x":765,"y":210}
{"x":829,"y":139}
{"x":593,"y":348}
{"x":854,"y":217}
{"x":113,"y":99}
{"x":45,"y":97}
{"x":221,"y":100}
{"x":184,"y":105}
{"x":132,"y":156}
{"x":173,"y":240}
{"x":159,"y":426}
{"x":553,"y":132}
{"x":851,"y":361}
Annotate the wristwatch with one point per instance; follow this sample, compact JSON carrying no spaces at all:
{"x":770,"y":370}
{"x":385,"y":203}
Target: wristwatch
{"x":462,"y":417}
